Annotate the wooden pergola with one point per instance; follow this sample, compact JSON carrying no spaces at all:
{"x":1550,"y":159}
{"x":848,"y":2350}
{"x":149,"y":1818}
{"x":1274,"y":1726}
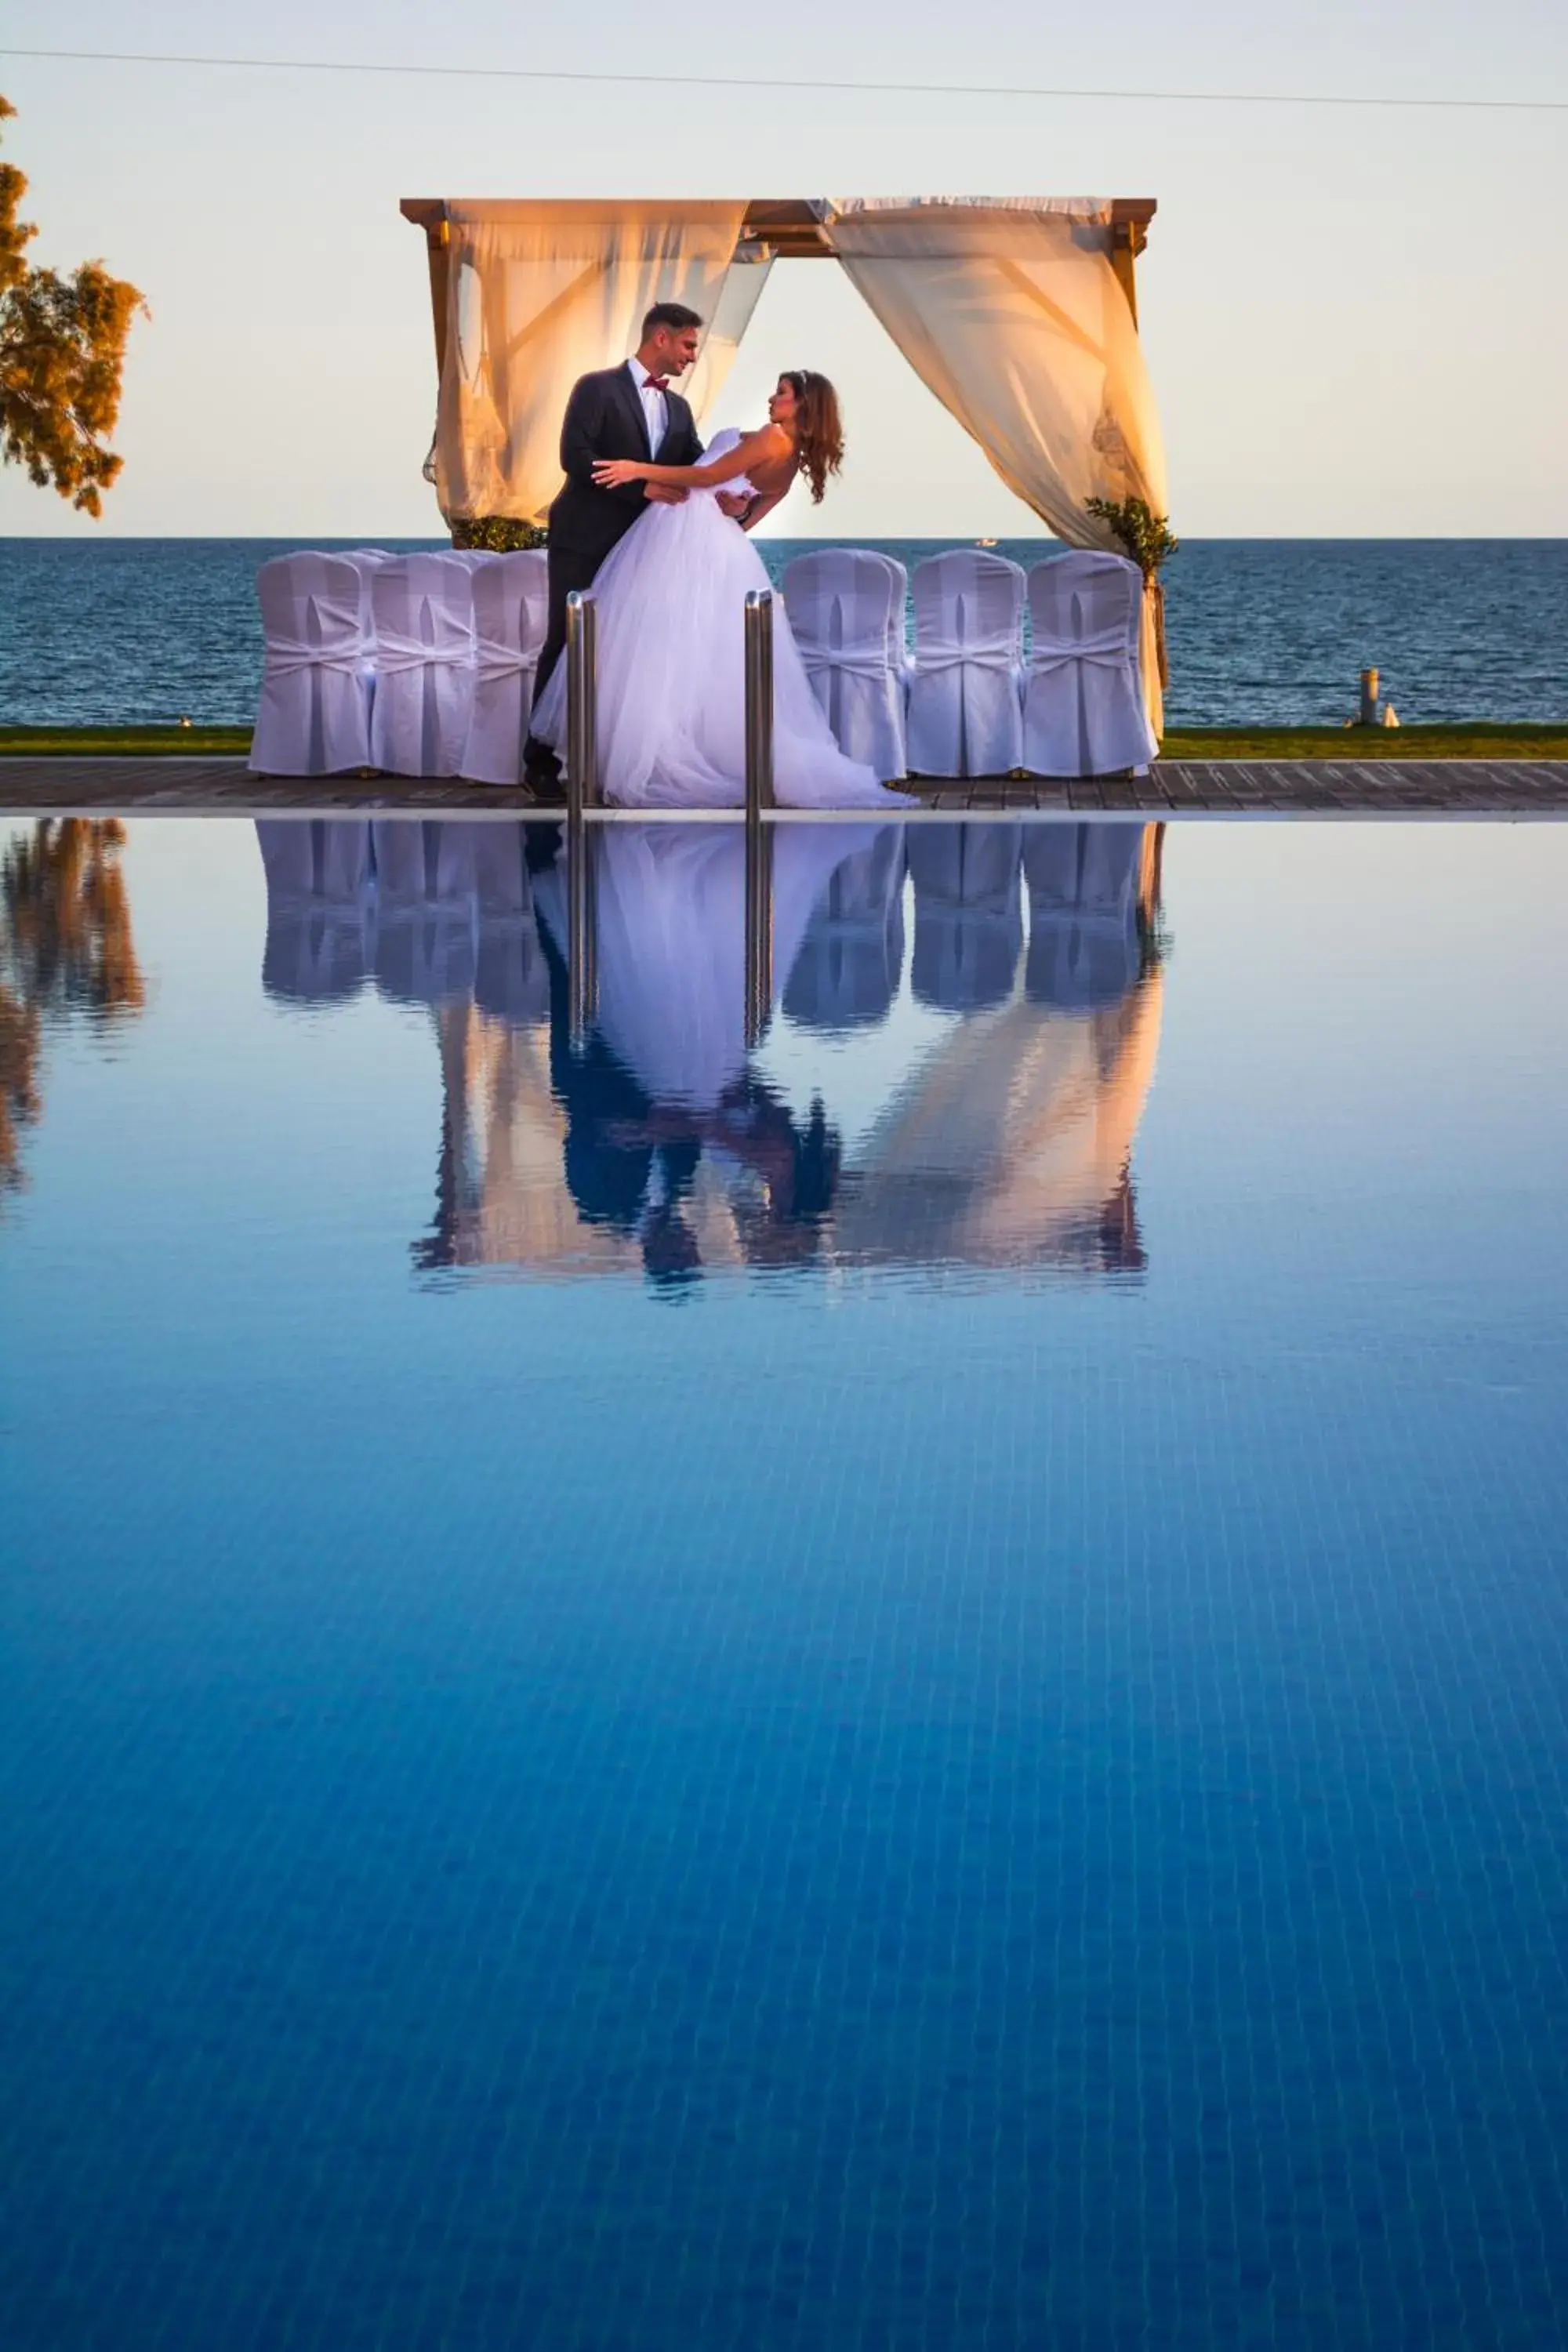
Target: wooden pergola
{"x":787,"y":227}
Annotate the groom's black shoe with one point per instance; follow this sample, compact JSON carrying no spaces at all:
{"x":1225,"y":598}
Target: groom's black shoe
{"x":542,"y":772}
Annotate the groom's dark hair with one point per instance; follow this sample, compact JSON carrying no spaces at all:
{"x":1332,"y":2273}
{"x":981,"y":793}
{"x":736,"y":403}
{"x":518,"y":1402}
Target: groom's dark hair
{"x":674,"y":315}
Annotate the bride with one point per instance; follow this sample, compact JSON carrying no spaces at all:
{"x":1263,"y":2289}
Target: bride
{"x":670,"y":597}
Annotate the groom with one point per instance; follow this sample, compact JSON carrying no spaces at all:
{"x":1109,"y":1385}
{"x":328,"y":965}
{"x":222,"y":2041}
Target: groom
{"x":632,"y":410}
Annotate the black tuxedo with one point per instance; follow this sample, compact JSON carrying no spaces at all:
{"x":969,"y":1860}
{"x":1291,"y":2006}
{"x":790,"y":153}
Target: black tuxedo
{"x":603,"y":419}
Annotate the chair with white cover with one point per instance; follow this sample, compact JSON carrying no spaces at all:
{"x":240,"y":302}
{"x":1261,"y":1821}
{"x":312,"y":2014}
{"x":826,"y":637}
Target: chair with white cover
{"x":841,"y":601}
{"x":898,"y":618}
{"x":512,"y":608}
{"x":422,"y":611}
{"x":1083,"y":698}
{"x":968,"y":673}
{"x":313,"y":717}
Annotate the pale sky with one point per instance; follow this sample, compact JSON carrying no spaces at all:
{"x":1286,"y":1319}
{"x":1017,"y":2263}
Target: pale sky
{"x":1355,"y":321}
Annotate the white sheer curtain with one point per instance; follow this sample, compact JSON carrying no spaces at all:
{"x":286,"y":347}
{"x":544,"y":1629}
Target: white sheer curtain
{"x":537,"y":294}
{"x":1011,"y":312}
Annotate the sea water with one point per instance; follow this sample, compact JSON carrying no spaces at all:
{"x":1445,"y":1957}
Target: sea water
{"x":1262,"y":632}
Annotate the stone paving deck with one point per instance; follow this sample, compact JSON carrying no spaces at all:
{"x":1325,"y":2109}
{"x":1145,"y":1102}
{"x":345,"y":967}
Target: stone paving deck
{"x":197,"y":786}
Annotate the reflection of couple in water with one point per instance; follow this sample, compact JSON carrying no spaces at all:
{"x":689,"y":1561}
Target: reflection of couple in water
{"x":665,"y":1083}
{"x":631,"y":1160}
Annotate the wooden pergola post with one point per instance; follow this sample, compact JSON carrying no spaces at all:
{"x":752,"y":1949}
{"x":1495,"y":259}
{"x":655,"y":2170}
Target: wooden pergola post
{"x":429,"y":213}
{"x":1130,"y":219}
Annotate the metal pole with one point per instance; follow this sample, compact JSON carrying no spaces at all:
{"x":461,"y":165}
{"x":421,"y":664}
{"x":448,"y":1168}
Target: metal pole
{"x":1368,"y":697}
{"x":759,"y":798}
{"x":582,"y":702}
{"x":582,"y":793}
{"x":759,"y":701}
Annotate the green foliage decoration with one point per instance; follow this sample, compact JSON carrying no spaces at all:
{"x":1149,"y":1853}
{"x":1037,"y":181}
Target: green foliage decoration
{"x":1146,"y":536}
{"x":62,"y":355}
{"x":497,"y":533}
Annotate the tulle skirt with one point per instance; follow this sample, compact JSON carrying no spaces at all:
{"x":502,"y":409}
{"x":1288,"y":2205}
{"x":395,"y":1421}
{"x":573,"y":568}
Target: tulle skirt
{"x":672,"y":675}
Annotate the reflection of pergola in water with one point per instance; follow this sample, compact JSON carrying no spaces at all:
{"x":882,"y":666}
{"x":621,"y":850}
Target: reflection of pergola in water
{"x":1006,"y":1144}
{"x":1019,"y":314}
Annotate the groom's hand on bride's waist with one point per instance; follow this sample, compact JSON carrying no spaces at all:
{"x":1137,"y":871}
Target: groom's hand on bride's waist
{"x":663,"y":494}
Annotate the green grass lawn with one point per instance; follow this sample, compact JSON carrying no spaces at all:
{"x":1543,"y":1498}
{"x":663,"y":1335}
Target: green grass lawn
{"x":1472,"y":742}
{"x":105,"y":743}
{"x":1477,"y":741}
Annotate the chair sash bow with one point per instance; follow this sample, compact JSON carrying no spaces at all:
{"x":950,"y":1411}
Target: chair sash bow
{"x":1106,"y":649}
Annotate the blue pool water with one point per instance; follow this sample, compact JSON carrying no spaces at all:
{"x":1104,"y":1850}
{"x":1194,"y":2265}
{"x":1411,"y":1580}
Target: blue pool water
{"x":904,"y":1690}
{"x":1262,"y":632}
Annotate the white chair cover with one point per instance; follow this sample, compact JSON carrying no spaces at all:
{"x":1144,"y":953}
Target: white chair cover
{"x":313,"y":718}
{"x":840,"y":601}
{"x":847,"y":970}
{"x":511,"y":603}
{"x":969,"y":924}
{"x":968,"y":675}
{"x":1083,"y":701}
{"x":897,"y":618}
{"x":422,"y":609}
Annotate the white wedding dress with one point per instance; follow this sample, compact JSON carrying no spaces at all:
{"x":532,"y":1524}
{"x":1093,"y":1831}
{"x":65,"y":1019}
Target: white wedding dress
{"x":671,"y":673}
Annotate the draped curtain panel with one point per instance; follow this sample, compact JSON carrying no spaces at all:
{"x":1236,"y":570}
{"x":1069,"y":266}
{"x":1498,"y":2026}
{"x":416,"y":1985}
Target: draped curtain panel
{"x":537,"y":295}
{"x":1012,"y":314}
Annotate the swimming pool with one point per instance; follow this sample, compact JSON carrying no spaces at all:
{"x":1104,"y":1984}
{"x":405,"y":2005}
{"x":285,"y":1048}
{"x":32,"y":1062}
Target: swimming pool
{"x":902,"y":1689}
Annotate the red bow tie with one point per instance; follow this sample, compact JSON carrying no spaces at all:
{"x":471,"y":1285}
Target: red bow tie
{"x":655,"y":384}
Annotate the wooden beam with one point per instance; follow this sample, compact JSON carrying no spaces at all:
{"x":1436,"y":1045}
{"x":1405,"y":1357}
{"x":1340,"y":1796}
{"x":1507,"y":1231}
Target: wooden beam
{"x":790,"y":229}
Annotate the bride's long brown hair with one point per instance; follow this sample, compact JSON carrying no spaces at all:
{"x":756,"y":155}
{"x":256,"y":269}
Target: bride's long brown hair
{"x":818,"y":429}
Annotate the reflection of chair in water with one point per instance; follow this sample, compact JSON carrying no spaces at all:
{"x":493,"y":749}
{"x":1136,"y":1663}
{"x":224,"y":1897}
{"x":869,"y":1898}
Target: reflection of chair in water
{"x":318,"y":906}
{"x":1012,"y":1143}
{"x":847,"y":970}
{"x":425,"y":893}
{"x":511,"y":982}
{"x":968,"y":918}
{"x":1085,"y":886}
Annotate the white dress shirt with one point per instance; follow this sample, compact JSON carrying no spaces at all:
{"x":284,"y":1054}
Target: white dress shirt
{"x":655,"y":407}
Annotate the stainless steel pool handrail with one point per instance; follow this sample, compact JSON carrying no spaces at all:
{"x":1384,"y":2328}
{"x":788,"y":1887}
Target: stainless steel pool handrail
{"x":582,"y":793}
{"x":759,"y":702}
{"x":582,"y":702}
{"x":759,"y":801}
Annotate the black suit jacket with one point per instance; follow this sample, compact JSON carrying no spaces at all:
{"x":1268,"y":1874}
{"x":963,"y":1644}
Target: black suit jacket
{"x":605,"y":419}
